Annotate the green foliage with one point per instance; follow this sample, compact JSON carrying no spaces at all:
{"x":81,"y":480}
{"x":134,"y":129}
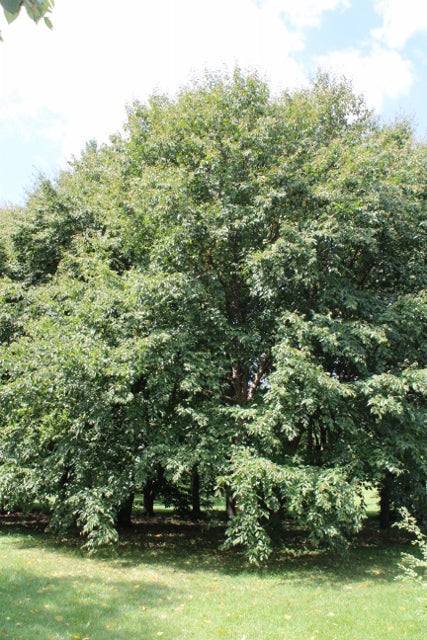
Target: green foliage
{"x":235,"y":287}
{"x":36,"y":10}
{"x":322,"y":501}
{"x":414,"y":566}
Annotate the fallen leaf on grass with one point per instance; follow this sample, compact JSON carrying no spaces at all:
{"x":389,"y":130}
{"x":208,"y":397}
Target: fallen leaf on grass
{"x":287,"y":616}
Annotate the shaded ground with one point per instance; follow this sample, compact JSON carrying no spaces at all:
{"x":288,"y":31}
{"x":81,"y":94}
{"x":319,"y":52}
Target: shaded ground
{"x":169,"y":538}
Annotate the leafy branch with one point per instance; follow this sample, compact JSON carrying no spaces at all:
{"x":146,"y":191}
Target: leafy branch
{"x":413,"y":566}
{"x":36,"y":10}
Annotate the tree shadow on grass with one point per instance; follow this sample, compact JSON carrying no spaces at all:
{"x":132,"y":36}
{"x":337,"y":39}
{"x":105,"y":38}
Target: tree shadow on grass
{"x":32,"y":606}
{"x":184,"y":545}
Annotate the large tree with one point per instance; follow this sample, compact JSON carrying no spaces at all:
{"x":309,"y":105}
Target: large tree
{"x":246,"y":278}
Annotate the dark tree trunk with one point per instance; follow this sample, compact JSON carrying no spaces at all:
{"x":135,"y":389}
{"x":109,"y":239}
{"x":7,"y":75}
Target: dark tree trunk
{"x":195,"y":493}
{"x":149,"y":497}
{"x":125,"y":512}
{"x":230,"y":506}
{"x":386,"y":513}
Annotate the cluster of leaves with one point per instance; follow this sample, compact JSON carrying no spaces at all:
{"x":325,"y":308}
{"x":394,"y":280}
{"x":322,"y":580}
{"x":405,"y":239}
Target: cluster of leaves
{"x":413,"y":566}
{"x":231,"y":293}
{"x":36,"y":9}
{"x":320,"y":499}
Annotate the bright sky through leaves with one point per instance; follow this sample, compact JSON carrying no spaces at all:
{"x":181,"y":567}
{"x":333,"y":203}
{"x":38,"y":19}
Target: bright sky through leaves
{"x":58,"y":89}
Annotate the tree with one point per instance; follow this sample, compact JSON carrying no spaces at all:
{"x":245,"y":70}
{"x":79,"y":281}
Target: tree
{"x":246,"y":277}
{"x":36,"y":9}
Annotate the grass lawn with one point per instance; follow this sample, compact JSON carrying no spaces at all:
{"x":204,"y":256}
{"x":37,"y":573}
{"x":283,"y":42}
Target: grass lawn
{"x":170,"y":581}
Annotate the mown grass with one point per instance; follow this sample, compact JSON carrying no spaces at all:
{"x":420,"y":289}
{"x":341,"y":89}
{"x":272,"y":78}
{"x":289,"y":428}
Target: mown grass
{"x":169,"y":580}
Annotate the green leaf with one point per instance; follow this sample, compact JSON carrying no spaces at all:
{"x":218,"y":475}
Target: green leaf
{"x":10,"y":17}
{"x":11,"y":6}
{"x":48,"y":23}
{"x":37,"y":10}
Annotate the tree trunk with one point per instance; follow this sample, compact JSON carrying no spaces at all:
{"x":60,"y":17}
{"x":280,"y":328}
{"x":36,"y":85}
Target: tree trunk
{"x":230,"y":506}
{"x":149,"y":496}
{"x":386,"y":514}
{"x":125,"y":512}
{"x":195,"y":493}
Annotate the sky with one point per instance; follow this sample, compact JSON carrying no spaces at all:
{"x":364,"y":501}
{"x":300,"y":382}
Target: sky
{"x":61,"y":88}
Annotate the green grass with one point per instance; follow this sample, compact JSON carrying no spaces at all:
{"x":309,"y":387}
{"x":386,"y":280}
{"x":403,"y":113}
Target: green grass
{"x":170,"y":581}
{"x":372,"y":502}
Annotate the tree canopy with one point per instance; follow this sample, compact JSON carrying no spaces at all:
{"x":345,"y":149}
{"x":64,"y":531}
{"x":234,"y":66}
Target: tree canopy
{"x":229,"y":296}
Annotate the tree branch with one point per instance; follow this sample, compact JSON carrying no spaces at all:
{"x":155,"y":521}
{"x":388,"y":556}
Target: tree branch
{"x":262,"y":368}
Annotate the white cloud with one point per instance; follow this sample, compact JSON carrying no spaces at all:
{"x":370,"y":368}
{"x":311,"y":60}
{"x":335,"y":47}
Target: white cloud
{"x":401,"y":21}
{"x":99,"y":57}
{"x":72,"y":84}
{"x":304,"y":13}
{"x":381,"y":74}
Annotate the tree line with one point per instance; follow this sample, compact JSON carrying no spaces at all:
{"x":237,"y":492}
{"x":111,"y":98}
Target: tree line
{"x":229,"y":296}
